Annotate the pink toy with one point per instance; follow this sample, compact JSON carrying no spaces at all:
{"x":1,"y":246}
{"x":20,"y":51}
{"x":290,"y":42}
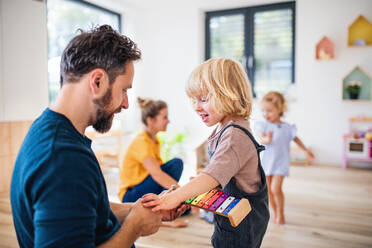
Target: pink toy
{"x":357,"y":144}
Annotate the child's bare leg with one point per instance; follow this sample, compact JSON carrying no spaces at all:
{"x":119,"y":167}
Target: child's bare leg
{"x":276,"y":187}
{"x":271,"y":197}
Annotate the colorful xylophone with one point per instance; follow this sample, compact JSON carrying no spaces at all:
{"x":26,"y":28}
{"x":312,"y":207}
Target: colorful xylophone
{"x":218,"y":202}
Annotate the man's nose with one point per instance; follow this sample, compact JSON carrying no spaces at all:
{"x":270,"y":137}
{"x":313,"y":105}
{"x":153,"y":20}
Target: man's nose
{"x":125,"y":103}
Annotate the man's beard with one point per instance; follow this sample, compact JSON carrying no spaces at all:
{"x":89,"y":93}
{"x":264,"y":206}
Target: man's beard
{"x":103,"y":117}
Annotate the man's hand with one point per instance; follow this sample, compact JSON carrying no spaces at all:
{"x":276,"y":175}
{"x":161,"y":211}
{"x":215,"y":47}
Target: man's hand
{"x":169,"y":215}
{"x":146,"y":222}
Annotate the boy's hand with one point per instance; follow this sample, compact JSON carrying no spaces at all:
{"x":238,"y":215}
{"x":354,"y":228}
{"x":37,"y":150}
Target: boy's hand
{"x":166,"y":202}
{"x":154,"y":201}
{"x":150,"y":200}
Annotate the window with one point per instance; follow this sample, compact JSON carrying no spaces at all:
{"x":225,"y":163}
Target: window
{"x":65,"y":17}
{"x":261,"y":38}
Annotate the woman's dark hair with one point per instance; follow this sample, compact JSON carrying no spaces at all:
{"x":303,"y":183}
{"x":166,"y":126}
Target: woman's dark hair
{"x":150,"y":108}
{"x":103,"y":48}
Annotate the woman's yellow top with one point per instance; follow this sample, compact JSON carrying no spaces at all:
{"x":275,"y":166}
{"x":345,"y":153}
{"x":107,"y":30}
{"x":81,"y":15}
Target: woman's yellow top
{"x":132,"y":171}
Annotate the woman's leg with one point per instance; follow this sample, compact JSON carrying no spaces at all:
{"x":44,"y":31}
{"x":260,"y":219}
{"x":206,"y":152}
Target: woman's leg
{"x":147,"y":186}
{"x":271,"y":197}
{"x":173,"y":168}
{"x":276,"y":187}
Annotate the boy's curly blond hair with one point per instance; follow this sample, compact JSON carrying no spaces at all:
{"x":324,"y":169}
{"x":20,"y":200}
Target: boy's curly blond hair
{"x":225,"y":83}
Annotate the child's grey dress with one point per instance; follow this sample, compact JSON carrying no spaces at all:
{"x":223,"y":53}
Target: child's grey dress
{"x":275,"y":158}
{"x":250,"y":232}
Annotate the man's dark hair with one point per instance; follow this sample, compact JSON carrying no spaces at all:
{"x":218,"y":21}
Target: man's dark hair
{"x":103,"y":48}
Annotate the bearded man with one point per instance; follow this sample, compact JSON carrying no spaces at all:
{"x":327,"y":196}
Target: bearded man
{"x":58,"y":193}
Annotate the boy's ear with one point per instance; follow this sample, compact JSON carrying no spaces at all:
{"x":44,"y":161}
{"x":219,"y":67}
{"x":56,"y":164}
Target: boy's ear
{"x":96,"y":81}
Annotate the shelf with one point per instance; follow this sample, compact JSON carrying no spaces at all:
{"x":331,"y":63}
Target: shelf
{"x":324,"y":49}
{"x":357,"y":75}
{"x":360,"y":119}
{"x":360,"y":32}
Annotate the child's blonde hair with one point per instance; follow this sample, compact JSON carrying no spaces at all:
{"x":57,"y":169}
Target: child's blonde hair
{"x":277,"y":99}
{"x":225,"y":83}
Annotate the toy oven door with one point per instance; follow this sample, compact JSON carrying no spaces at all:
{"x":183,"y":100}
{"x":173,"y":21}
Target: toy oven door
{"x":356,"y":148}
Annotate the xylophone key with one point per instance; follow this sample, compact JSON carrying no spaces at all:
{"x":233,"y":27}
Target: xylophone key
{"x":205,"y":198}
{"x":225,"y":204}
{"x":233,"y":204}
{"x":211,"y":200}
{"x":190,"y":200}
{"x":198,"y":198}
{"x":218,"y":202}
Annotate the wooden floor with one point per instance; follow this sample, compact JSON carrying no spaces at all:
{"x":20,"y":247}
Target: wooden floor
{"x":325,"y":207}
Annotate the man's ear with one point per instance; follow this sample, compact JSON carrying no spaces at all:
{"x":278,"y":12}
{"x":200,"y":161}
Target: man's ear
{"x":97,"y":79}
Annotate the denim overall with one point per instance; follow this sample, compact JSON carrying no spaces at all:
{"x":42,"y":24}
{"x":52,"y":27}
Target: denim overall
{"x":250,"y":232}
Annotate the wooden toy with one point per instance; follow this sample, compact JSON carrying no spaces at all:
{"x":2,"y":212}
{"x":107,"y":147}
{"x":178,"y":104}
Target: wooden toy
{"x":217,"y":202}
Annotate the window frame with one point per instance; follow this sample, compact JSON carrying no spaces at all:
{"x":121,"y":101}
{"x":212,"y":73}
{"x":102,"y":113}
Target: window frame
{"x":97,"y":7}
{"x":93,"y":6}
{"x":101,"y":9}
{"x":248,"y":13}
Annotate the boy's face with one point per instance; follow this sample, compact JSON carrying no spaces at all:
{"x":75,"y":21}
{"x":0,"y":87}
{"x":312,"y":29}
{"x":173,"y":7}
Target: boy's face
{"x":270,"y":112}
{"x":206,"y":111}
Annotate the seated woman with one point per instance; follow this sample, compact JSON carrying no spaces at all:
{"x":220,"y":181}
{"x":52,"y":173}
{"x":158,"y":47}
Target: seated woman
{"x":142,"y":171}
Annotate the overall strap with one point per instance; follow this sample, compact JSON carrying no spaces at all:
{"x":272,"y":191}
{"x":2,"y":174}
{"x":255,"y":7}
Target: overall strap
{"x":258,"y":146}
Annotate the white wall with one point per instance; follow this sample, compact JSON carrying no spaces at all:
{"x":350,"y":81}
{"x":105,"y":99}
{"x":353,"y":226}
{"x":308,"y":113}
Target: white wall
{"x":1,"y":63}
{"x":320,"y":112}
{"x":23,"y":59}
{"x":171,"y":36}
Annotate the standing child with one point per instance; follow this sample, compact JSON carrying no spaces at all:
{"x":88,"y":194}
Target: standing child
{"x":276,"y":136}
{"x":221,"y":94}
